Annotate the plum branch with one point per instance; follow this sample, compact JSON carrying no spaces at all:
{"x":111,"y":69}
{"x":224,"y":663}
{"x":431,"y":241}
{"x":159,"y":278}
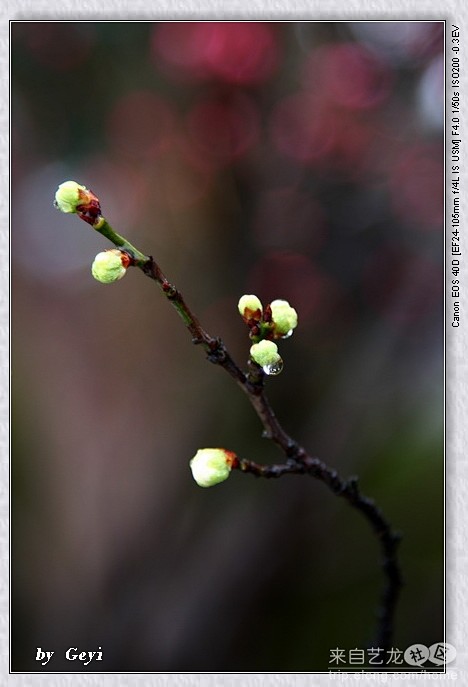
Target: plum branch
{"x":276,"y":321}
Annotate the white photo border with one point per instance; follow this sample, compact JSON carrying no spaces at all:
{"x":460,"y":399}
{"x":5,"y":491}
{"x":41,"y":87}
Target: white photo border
{"x":455,"y":344}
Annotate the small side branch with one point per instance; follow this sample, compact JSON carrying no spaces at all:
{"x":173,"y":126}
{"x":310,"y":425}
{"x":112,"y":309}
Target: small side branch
{"x":349,"y":490}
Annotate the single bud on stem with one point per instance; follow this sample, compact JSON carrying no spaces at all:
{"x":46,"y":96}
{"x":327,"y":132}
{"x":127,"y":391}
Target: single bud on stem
{"x":250,"y":308}
{"x":211,"y":466}
{"x":67,"y":196}
{"x":284,"y":318}
{"x":110,"y":265}
{"x":265,"y":353}
{"x":72,"y":197}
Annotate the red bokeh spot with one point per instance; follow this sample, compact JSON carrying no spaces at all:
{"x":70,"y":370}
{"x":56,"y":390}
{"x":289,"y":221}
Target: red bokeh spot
{"x":237,"y":52}
{"x":348,"y":75}
{"x":313,"y":132}
{"x":300,"y":128}
{"x":296,"y":278}
{"x":417,"y":187}
{"x":221,"y":130}
{"x":142,"y":125}
{"x":402,"y":286}
{"x":355,"y":137}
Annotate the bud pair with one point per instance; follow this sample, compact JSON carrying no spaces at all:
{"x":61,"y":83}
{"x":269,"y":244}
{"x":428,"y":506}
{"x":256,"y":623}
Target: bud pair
{"x":278,"y":320}
{"x":211,"y":466}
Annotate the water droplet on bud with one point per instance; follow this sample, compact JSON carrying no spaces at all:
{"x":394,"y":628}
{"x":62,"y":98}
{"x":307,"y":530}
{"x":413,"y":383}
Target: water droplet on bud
{"x":274,"y":368}
{"x":290,"y":333}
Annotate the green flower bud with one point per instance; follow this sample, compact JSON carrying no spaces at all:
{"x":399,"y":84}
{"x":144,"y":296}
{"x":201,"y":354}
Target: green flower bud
{"x":284,"y":318}
{"x":110,"y":265}
{"x":69,"y":195}
{"x":250,"y":307}
{"x":74,"y":198}
{"x":265,"y":353}
{"x":211,"y":466}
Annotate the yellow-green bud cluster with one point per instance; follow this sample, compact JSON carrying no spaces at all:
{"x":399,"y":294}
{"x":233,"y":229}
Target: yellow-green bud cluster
{"x":276,"y":321}
{"x":211,"y":466}
{"x":109,"y":266}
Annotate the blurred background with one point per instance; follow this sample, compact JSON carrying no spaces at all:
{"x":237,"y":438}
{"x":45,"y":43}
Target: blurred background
{"x":291,"y":160}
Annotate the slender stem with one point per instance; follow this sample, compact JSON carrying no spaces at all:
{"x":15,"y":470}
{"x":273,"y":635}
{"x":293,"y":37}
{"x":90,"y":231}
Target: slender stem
{"x":298,"y":460}
{"x":104,"y":228}
{"x":214,"y":347}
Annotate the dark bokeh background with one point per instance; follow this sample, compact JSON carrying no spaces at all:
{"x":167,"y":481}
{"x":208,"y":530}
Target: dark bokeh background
{"x":292,"y":160}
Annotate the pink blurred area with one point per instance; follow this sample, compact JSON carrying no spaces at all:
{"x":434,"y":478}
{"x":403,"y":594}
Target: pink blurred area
{"x":241,"y":53}
{"x":348,"y":75}
{"x":222,"y":130}
{"x":416,"y":192}
{"x":142,"y":125}
{"x":296,"y":160}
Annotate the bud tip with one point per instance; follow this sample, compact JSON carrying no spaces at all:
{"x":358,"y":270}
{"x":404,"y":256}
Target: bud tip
{"x":250,"y":307}
{"x":265,"y":353}
{"x":110,"y":265}
{"x":211,"y":466}
{"x":68,"y":196}
{"x":284,"y":318}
